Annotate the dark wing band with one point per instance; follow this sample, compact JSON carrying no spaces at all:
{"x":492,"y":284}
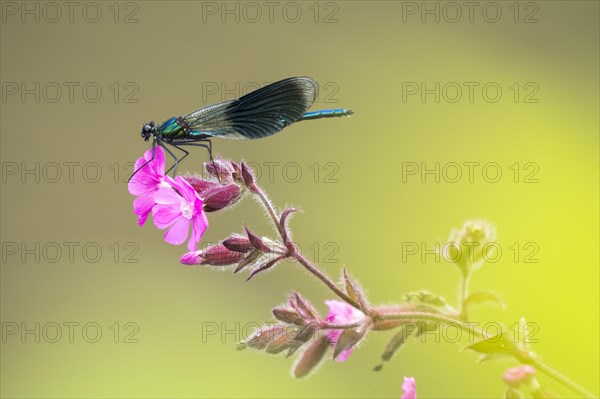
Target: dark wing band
{"x":260,"y":113}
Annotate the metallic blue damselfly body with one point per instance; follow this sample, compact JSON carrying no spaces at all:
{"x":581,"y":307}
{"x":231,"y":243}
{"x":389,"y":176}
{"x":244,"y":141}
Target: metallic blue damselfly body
{"x":258,"y":114}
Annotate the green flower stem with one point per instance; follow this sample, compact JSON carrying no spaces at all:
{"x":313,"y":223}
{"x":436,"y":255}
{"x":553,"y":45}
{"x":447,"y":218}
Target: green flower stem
{"x":535,"y":362}
{"x":558,"y":377}
{"x":429,"y":317}
{"x":463,"y":291}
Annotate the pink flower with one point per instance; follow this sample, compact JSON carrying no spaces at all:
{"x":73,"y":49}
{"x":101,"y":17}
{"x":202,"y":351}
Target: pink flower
{"x":519,"y":376}
{"x":177,"y":208}
{"x":147,"y":181}
{"x":409,"y":388}
{"x":341,"y":313}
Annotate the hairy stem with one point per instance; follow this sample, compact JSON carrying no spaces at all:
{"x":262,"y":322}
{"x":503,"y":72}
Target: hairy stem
{"x":423,"y":316}
{"x":326,"y":280}
{"x":556,"y":376}
{"x":270,"y":210}
{"x":538,"y":364}
{"x":463,"y":290}
{"x":328,"y":326}
{"x":296,"y":254}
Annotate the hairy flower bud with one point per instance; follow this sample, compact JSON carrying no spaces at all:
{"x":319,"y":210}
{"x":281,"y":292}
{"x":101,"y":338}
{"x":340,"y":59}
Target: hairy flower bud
{"x":238,"y":243}
{"x":257,"y":242}
{"x":221,"y":169}
{"x":215,"y":255}
{"x":275,"y":338}
{"x":200,"y":185}
{"x":221,"y":197}
{"x":471,"y":245}
{"x":312,"y":357}
{"x":288,"y":315}
{"x":248,"y":176}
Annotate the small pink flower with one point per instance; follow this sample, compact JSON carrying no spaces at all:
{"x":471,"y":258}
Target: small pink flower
{"x":518,"y":376}
{"x":146,"y":182}
{"x":341,"y":313}
{"x":177,"y":208}
{"x":409,"y":388}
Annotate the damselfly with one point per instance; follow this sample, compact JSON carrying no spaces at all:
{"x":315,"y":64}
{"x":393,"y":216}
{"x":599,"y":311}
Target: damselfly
{"x":258,"y":114}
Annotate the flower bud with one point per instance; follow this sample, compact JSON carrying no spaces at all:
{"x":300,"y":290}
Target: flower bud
{"x":469,"y":246}
{"x":200,"y":185}
{"x":521,"y":377}
{"x":220,"y":197}
{"x":257,"y":242}
{"x":216,"y":255}
{"x":275,"y":338}
{"x":221,"y":169}
{"x":263,"y":337}
{"x":288,"y":315}
{"x":237,"y":173}
{"x":248,"y":177}
{"x":238,"y":243}
{"x":311,"y":357}
{"x":302,"y":306}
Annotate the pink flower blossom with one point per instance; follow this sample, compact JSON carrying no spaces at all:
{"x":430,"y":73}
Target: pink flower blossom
{"x":147,"y":181}
{"x":177,"y":208}
{"x":518,"y":376}
{"x":341,"y":313}
{"x":409,"y":388}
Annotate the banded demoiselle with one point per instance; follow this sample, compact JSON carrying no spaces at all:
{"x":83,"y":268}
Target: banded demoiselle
{"x":258,"y":114}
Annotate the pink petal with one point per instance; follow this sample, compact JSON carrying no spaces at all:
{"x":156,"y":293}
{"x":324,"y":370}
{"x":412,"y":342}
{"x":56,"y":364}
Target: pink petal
{"x":167,"y":196}
{"x":142,"y":206}
{"x":200,"y":224}
{"x":164,"y":215}
{"x":147,"y":175}
{"x":140,"y":183}
{"x":191,"y":258}
{"x":185,"y":189}
{"x":158,"y":164}
{"x":178,"y":232}
{"x":333,"y":336}
{"x":409,"y":386}
{"x":343,"y":356}
{"x":342,"y":313}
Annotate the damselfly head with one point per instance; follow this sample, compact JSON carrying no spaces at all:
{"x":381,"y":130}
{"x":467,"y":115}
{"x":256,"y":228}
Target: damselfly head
{"x":147,"y":131}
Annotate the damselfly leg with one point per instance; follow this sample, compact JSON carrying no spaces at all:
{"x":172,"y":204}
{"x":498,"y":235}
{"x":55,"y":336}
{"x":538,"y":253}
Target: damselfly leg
{"x":145,"y":163}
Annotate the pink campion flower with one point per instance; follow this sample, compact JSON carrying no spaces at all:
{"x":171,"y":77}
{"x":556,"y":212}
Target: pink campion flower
{"x":409,"y":388}
{"x":177,"y":208}
{"x":341,"y":313}
{"x":147,"y":181}
{"x":520,"y":376}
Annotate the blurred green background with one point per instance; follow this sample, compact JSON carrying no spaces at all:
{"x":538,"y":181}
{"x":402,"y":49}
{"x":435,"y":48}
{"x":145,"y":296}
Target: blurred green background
{"x":155,"y":59}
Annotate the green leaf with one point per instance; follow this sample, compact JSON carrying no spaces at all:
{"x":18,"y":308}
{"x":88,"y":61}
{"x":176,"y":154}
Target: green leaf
{"x":426,"y":297}
{"x":482,"y":297}
{"x":500,"y":345}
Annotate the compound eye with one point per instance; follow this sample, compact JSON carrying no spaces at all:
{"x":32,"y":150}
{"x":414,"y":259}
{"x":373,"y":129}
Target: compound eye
{"x":147,"y":128}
